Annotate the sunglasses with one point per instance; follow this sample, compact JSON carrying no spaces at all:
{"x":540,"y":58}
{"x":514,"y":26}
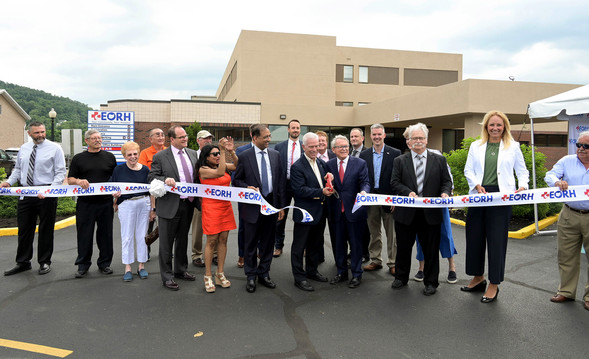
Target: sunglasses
{"x":584,"y":145}
{"x":215,"y":154}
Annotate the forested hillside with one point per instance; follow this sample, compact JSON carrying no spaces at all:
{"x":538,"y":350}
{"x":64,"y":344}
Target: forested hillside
{"x":37,"y":103}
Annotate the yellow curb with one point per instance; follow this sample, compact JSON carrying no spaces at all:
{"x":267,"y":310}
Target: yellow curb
{"x":58,"y":225}
{"x":524,"y":232}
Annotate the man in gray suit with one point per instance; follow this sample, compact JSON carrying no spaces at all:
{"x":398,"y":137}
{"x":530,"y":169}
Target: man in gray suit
{"x":174,"y":164}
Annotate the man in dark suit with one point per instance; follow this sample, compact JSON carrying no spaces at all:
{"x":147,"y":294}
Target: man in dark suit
{"x":325,"y":154}
{"x":350,"y":177}
{"x":174,"y":164}
{"x":380,"y":159}
{"x":290,"y":151}
{"x":240,"y":230}
{"x":260,"y":168}
{"x":307,"y":179}
{"x":419,"y":173}
{"x":356,"y":148}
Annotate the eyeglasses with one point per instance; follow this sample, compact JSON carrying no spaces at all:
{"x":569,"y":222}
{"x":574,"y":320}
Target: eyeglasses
{"x":584,"y":145}
{"x":215,"y":154}
{"x":158,"y":134}
{"x":340,"y":148}
{"x":417,"y":138}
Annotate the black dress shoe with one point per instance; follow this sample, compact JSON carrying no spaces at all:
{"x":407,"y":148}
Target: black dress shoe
{"x":267,"y":282}
{"x":250,"y":286}
{"x":354,"y":282}
{"x":398,"y":284}
{"x":489,"y":300}
{"x":185,"y":276}
{"x":171,"y":285}
{"x":198,"y":262}
{"x":339,"y":278}
{"x":81,"y":273}
{"x":304,"y":285}
{"x":216,"y":261}
{"x":17,"y":269}
{"x":318,"y":277}
{"x":481,"y":287}
{"x":44,"y":268}
{"x":429,"y":290}
{"x":105,"y":270}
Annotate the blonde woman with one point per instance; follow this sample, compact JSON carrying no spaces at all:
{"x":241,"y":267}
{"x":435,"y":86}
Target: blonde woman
{"x":490,"y":165}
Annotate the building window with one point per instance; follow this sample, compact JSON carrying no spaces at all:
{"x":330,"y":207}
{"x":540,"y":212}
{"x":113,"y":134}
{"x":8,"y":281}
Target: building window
{"x":363,"y":74}
{"x":378,"y":75}
{"x":431,"y":78}
{"x":344,"y":73}
{"x":545,"y":140}
{"x":344,"y":103}
{"x":363,"y":103}
{"x":451,"y":140}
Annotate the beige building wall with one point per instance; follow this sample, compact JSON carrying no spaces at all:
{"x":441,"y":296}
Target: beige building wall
{"x":13,"y":122}
{"x":145,"y":110}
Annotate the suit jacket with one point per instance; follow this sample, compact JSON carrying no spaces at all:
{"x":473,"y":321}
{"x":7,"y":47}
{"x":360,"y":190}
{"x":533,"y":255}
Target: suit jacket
{"x":162,"y":167}
{"x":355,"y":181}
{"x":386,"y":169}
{"x":307,"y":192}
{"x":509,"y":159}
{"x":248,"y":174}
{"x":283,"y":150}
{"x":240,"y":149}
{"x":436,"y":181}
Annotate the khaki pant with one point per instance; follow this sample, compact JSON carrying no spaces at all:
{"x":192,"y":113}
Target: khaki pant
{"x":573,"y":232}
{"x":376,"y":216}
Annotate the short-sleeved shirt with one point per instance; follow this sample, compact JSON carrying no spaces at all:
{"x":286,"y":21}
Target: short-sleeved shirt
{"x":94,"y":167}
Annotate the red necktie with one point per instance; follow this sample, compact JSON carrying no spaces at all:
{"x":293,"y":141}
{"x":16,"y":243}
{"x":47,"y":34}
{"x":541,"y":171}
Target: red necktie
{"x":294,"y":145}
{"x":341,"y":178}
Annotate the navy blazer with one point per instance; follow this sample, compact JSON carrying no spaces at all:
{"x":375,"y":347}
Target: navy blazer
{"x":386,"y":169}
{"x":436,"y":181}
{"x":282,"y":148}
{"x":355,"y":181}
{"x":248,"y":174}
{"x":307,"y":192}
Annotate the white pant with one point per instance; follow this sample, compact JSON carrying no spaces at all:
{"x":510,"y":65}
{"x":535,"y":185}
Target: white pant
{"x":134,"y":218}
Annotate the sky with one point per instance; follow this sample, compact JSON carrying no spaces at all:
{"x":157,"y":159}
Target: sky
{"x":101,"y":50}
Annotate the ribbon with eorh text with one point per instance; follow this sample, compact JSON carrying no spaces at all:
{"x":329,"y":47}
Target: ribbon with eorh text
{"x":235,"y":194}
{"x":538,"y":195}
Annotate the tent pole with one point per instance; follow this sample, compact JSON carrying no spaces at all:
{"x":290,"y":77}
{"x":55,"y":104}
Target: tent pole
{"x":534,"y":170}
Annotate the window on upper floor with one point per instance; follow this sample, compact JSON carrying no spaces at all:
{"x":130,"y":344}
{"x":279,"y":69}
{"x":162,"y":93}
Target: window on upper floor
{"x":344,"y":73}
{"x":378,"y":75}
{"x":344,"y":103}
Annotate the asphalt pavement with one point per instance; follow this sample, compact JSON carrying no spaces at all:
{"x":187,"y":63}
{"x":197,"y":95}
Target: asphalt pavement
{"x":101,"y":316}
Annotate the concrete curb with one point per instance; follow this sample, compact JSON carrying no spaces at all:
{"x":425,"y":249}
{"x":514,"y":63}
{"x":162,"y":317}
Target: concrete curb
{"x":524,"y":232}
{"x":58,"y":225}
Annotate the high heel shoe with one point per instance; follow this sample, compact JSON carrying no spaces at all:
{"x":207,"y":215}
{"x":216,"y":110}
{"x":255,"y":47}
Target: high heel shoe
{"x":489,"y":300}
{"x":221,"y":280}
{"x":209,"y":286}
{"x":481,"y":287}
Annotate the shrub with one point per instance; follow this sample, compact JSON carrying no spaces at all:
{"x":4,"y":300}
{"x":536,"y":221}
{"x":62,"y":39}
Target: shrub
{"x":457,"y":161}
{"x":65,"y":206}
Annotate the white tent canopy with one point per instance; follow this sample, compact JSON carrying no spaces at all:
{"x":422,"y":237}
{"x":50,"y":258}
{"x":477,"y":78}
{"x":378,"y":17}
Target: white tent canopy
{"x":572,"y":102}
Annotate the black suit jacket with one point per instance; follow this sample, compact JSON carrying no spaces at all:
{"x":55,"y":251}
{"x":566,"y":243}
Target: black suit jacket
{"x":162,"y":167}
{"x":307,"y":192}
{"x":436,"y":181}
{"x":248,"y":174}
{"x":386,"y":169}
{"x":355,"y":181}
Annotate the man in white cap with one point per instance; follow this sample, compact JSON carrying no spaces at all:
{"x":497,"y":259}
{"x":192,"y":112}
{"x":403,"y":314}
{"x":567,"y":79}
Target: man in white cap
{"x":203,"y":138}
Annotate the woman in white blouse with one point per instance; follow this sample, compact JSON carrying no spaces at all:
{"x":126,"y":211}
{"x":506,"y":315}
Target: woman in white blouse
{"x":490,"y":167}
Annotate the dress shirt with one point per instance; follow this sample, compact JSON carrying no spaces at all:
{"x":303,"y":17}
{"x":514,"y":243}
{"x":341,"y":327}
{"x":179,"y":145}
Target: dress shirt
{"x":377,"y":164}
{"x":345,"y":164}
{"x":179,"y":165}
{"x":315,"y":168}
{"x":358,"y":151}
{"x":324,"y":157}
{"x":268,"y":167}
{"x":49,"y":164}
{"x":424,"y":159}
{"x":292,"y":156}
{"x":573,"y":171}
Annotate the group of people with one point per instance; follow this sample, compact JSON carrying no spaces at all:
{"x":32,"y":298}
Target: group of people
{"x":324,"y":182}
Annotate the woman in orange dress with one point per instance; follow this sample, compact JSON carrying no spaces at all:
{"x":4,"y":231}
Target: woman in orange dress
{"x":217,"y":215}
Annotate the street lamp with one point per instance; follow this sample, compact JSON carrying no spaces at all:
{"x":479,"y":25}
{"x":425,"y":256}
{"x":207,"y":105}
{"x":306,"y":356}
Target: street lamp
{"x":52,"y":115}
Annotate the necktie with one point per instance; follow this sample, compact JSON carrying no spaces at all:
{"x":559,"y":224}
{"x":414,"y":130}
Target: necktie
{"x":341,"y":178}
{"x":355,"y":153}
{"x":186,"y":171}
{"x":294,"y":146}
{"x":31,"y":166}
{"x":419,"y":174}
{"x":264,"y":170}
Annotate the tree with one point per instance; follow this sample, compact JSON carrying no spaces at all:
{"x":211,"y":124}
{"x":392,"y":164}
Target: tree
{"x":192,"y":130}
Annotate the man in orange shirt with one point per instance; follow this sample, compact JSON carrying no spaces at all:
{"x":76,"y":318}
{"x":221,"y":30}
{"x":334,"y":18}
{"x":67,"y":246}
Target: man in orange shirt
{"x":157,"y":139}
